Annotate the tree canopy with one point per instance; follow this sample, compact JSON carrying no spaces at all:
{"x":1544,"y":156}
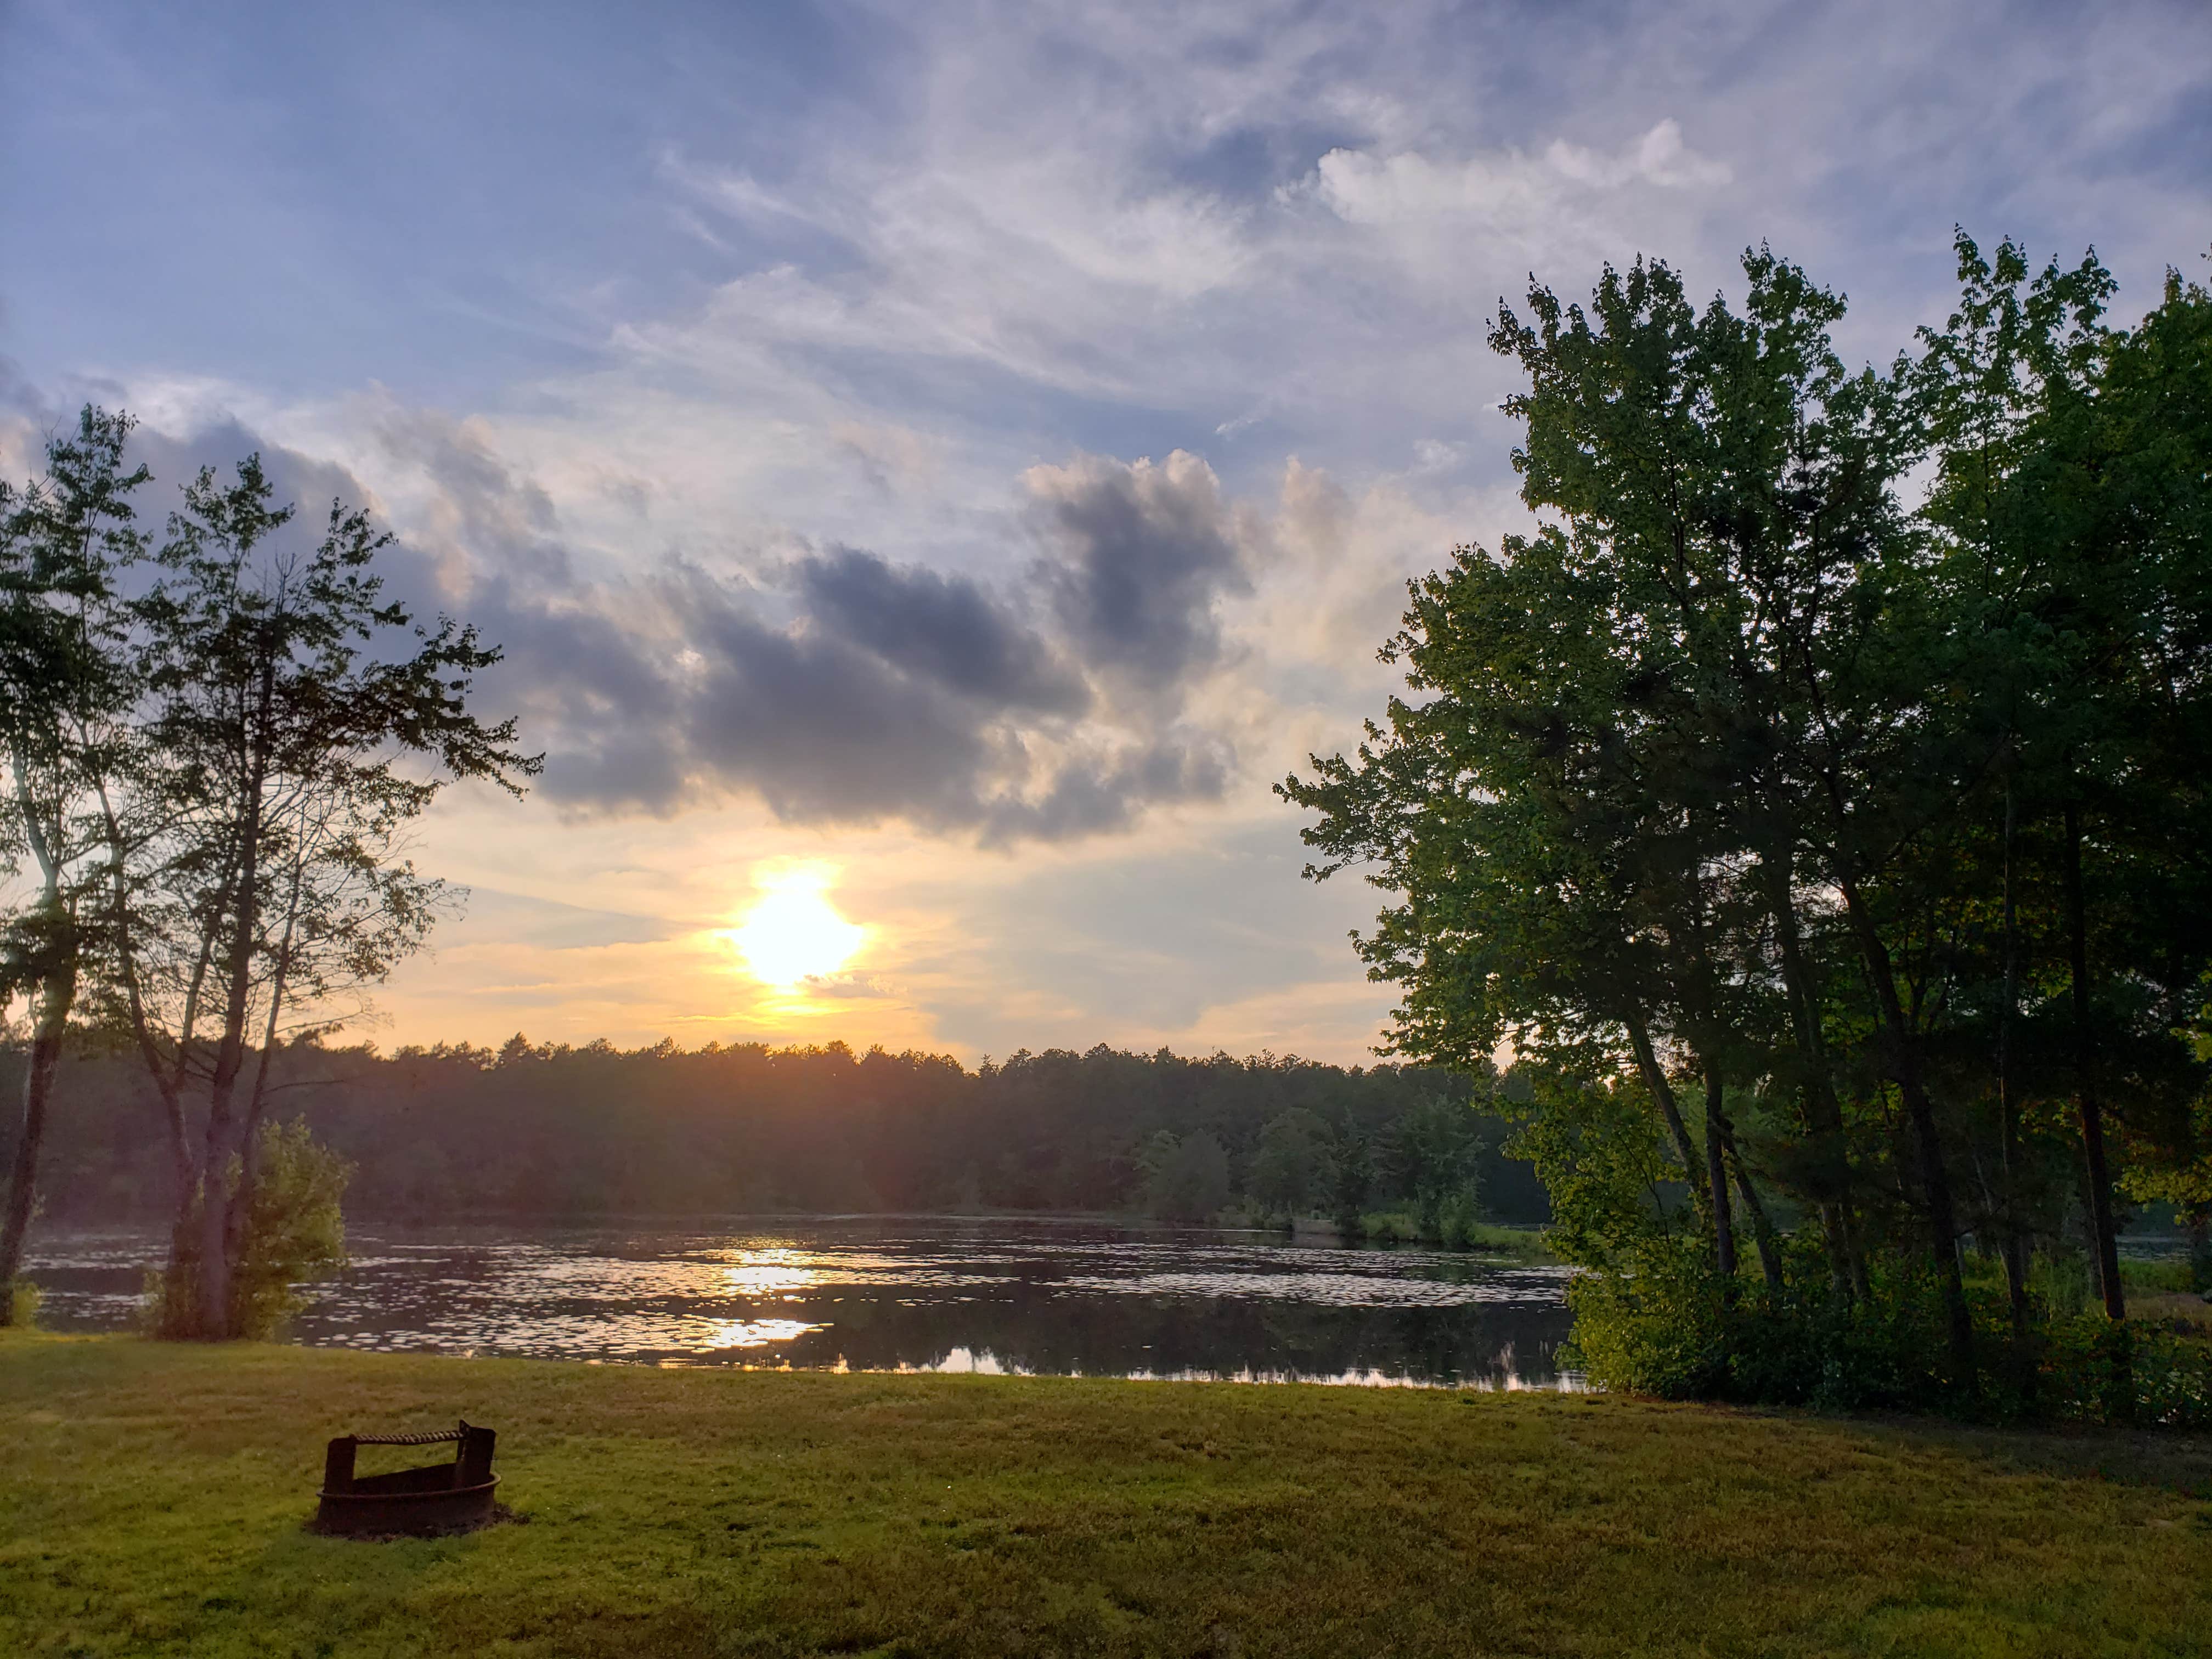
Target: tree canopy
{"x":1806,"y":803}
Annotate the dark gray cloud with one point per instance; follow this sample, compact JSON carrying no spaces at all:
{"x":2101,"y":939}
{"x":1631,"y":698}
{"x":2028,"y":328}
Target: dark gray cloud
{"x":858,"y":690}
{"x":18,"y":397}
{"x":308,"y":484}
{"x":1138,"y":555}
{"x":1090,"y":795}
{"x":593,"y":689}
{"x":826,"y":729}
{"x":939,"y":627}
{"x":847,"y":689}
{"x":878,"y":722}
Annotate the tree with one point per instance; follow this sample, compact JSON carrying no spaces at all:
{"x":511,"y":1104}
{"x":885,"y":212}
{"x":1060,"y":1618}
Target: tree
{"x":255,"y":859}
{"x":62,"y":684}
{"x":1186,"y":1178}
{"x":2069,"y":497}
{"x":1604,"y":792}
{"x":2156,"y":402}
{"x":1743,"y":798}
{"x":1433,"y":1152}
{"x":1292,"y":1165}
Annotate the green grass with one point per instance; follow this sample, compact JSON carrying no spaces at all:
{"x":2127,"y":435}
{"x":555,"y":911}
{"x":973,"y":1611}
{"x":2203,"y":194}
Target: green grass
{"x":151,"y":1501}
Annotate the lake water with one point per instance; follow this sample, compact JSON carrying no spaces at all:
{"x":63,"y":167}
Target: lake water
{"x":872,"y":1293}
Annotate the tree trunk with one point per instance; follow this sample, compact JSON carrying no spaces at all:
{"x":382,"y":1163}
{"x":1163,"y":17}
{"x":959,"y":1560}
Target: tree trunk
{"x":56,"y":993}
{"x":213,"y":1297}
{"x":1655,"y":1079}
{"x":1824,"y":1117}
{"x":241,"y":1201}
{"x":1762,"y":1226}
{"x":2105,"y":1236}
{"x":55,"y":944}
{"x":2016,"y":1239}
{"x":1716,"y":1181}
{"x":1928,"y":1141}
{"x":169,"y":1085}
{"x":220,"y":1145}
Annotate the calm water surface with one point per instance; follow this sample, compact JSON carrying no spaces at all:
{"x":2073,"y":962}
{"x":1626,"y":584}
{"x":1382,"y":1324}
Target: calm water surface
{"x":876,"y":1294}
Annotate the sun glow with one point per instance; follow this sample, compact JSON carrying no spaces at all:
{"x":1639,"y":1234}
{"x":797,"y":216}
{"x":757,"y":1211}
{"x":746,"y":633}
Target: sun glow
{"x":793,"y":933}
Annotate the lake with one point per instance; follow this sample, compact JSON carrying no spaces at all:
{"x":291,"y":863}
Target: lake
{"x":875,"y":1293}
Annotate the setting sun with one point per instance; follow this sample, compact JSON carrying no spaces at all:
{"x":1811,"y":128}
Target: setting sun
{"x":793,"y":933}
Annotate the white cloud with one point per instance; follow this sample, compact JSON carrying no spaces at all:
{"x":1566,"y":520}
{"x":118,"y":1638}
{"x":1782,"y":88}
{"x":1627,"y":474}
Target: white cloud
{"x":1507,"y":192}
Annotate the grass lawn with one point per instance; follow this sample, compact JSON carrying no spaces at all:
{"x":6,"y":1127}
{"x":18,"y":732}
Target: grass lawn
{"x":152,"y":1497}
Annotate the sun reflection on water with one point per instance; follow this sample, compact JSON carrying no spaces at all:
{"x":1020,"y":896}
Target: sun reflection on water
{"x":758,"y":1333}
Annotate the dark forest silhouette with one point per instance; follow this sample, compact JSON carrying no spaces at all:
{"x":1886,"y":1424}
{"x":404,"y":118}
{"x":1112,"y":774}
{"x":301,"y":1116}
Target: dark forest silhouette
{"x":569,"y":1132}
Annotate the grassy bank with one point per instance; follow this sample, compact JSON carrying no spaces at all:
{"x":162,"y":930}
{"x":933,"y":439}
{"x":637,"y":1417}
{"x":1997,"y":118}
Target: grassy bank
{"x":151,"y":1500}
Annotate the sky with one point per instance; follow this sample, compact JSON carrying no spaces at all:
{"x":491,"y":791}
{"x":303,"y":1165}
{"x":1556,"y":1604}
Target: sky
{"x":933,"y":468}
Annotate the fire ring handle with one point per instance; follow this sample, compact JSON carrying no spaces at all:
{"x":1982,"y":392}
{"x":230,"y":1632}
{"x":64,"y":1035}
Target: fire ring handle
{"x":431,"y":1439}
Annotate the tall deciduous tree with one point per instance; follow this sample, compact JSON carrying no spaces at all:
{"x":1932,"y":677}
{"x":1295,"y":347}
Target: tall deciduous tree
{"x":2070,"y":496}
{"x":255,"y":857}
{"x":62,"y":684}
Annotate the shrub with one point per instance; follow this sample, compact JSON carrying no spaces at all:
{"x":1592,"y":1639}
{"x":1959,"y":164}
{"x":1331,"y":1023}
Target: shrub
{"x":2085,"y":1360}
{"x":1669,"y":1326}
{"x":295,"y":1233}
{"x":1460,"y":1215}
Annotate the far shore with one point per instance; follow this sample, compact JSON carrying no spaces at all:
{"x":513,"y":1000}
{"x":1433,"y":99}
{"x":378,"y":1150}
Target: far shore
{"x":1386,"y":1229}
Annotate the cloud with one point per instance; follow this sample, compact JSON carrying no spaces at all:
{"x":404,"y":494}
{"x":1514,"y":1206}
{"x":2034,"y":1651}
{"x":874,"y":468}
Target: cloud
{"x":834,"y":686}
{"x":908,"y":692}
{"x":829,"y":726}
{"x":1090,"y":794}
{"x":939,"y":628}
{"x":1137,"y":555}
{"x":1659,"y":157}
{"x":750,"y":488}
{"x":1439,"y":215}
{"x":823,"y":729}
{"x":850,"y":987}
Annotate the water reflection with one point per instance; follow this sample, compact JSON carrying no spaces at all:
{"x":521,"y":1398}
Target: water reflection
{"x":993,"y":1297}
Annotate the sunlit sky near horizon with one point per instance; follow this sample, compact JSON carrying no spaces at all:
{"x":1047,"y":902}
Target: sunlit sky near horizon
{"x":933,"y":467}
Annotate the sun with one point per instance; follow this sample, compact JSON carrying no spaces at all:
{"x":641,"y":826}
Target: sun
{"x":793,"y":933}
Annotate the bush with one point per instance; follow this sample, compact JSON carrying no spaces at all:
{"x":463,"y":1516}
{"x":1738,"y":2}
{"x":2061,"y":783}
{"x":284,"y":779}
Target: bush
{"x":23,"y":1304}
{"x":1457,"y":1227}
{"x":1460,"y":1215}
{"x":2095,"y":1371}
{"x":1669,"y":1326}
{"x":295,"y":1233}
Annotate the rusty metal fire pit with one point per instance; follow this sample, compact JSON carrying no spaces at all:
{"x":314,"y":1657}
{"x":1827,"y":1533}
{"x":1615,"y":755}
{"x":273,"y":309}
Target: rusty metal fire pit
{"x":440,"y":1497}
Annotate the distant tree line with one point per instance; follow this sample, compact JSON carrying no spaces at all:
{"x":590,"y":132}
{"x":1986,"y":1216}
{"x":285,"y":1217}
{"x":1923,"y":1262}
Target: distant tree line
{"x":574,"y":1132}
{"x":1817,"y":804}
